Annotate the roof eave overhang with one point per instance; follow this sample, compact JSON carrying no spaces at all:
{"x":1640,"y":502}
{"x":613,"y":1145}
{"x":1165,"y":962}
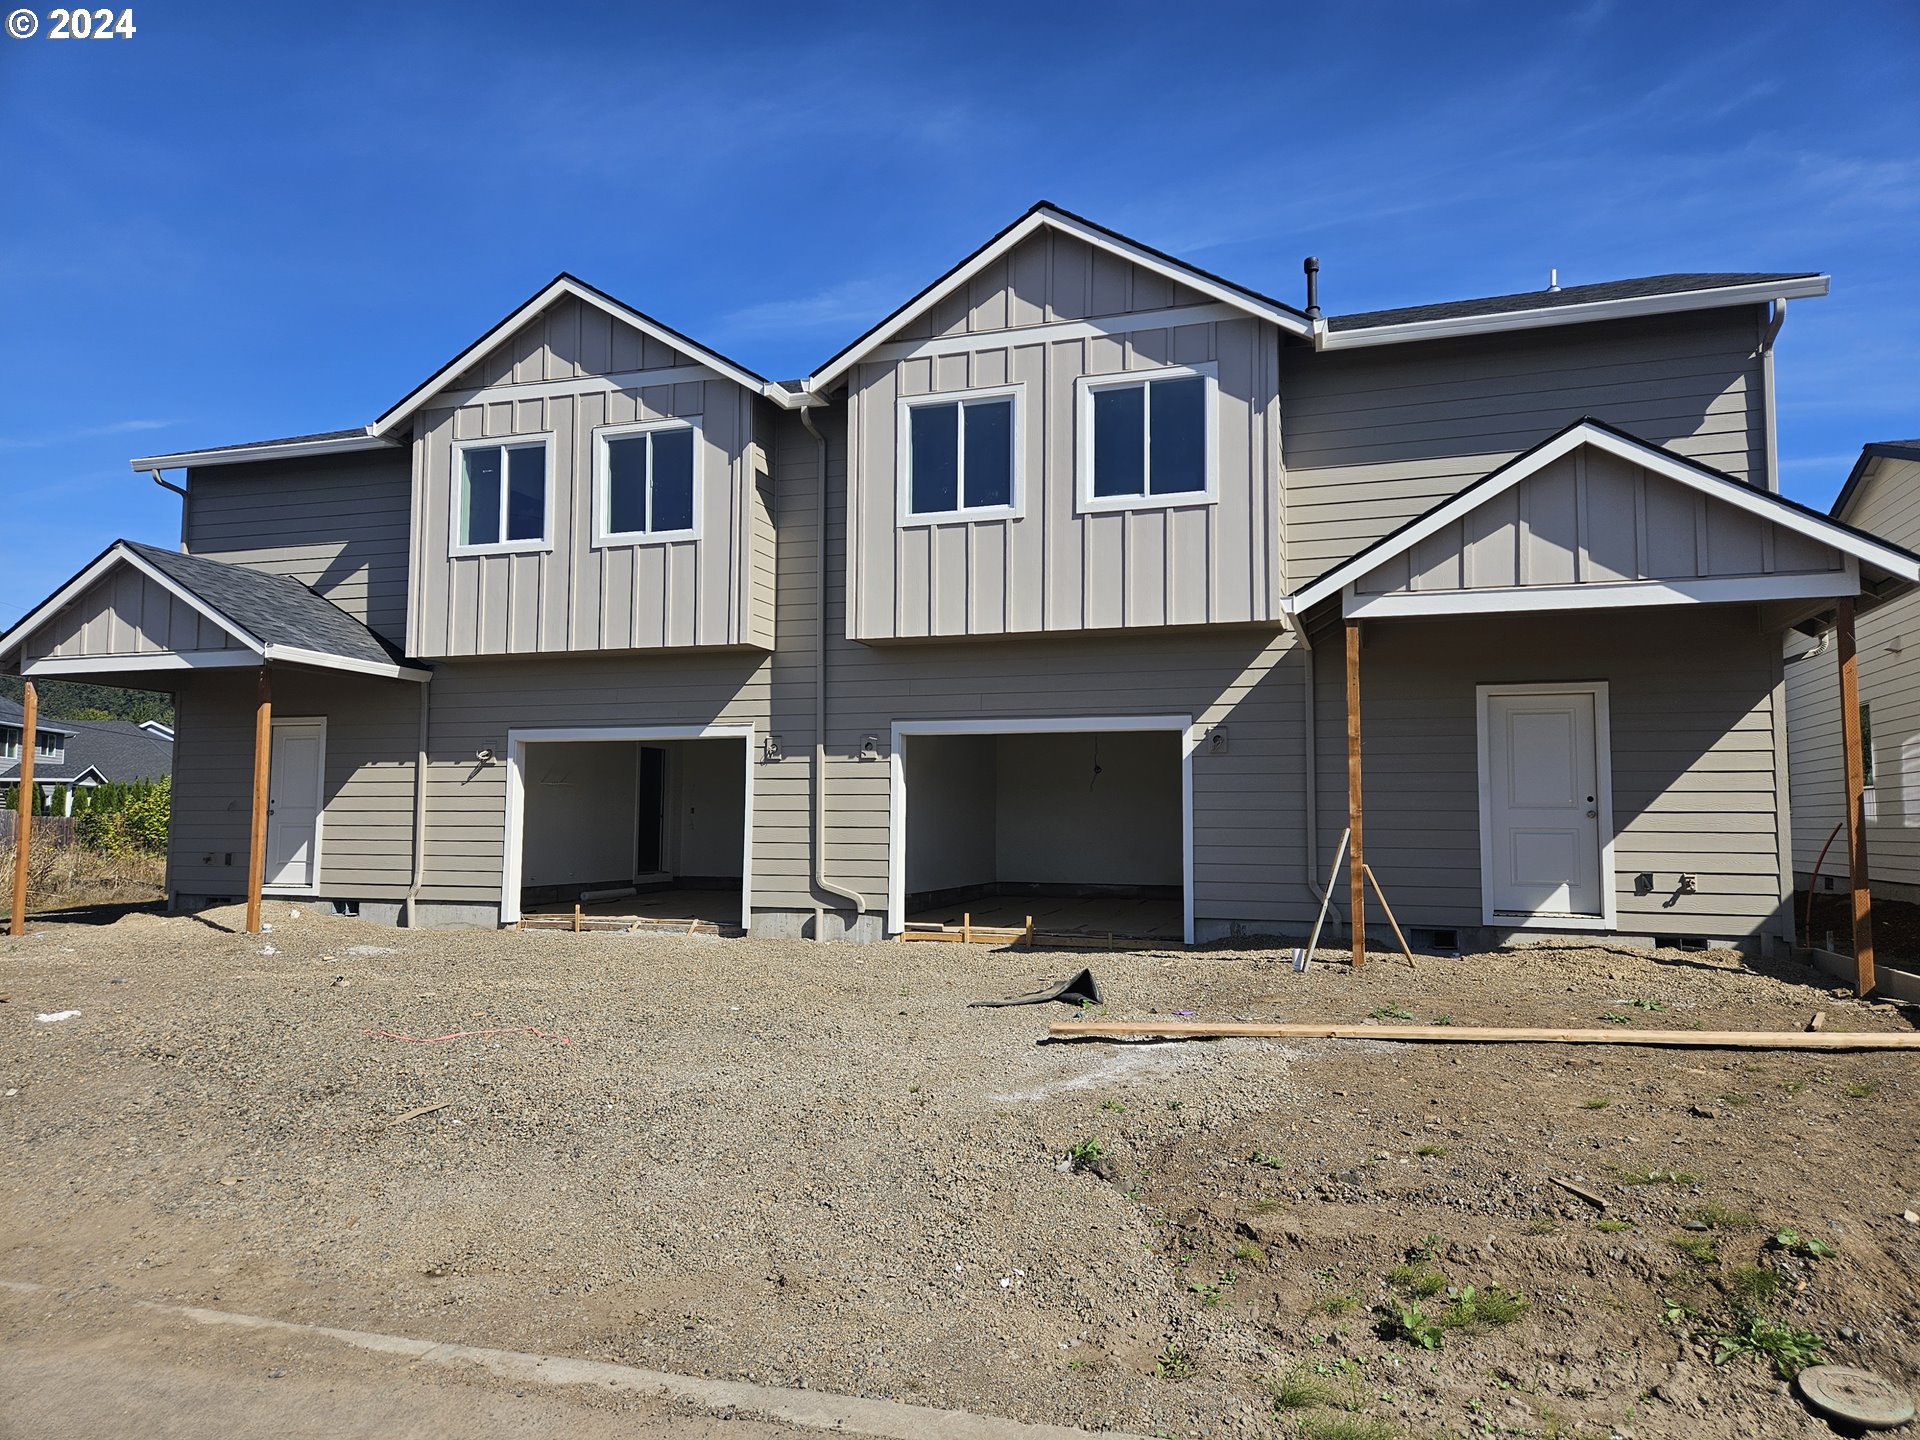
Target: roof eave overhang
{"x":252,"y":454}
{"x":1047,"y":217}
{"x":1722,"y":297}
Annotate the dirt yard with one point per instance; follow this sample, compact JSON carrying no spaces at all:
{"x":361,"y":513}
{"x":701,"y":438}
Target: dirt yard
{"x":813,"y":1165}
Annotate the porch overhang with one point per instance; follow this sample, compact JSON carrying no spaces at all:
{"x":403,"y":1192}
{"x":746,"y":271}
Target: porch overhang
{"x":1596,"y":519}
{"x":140,"y":613}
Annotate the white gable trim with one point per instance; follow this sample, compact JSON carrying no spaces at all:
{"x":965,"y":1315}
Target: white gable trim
{"x":1754,"y":501}
{"x":561,"y":288}
{"x":1043,"y":218}
{"x":119,"y":552}
{"x":265,"y":450}
{"x":1606,"y":595}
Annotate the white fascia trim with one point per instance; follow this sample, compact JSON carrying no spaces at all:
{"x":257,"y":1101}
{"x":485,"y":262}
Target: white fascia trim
{"x":516,"y":798}
{"x":118,"y":553}
{"x":53,"y":668}
{"x":1607,"y":595}
{"x":1811,"y":287}
{"x":271,"y":450}
{"x":1240,"y":300}
{"x":1101,"y":325}
{"x":294,"y":655}
{"x":1754,"y":501}
{"x":1030,"y":725}
{"x":560,"y":288}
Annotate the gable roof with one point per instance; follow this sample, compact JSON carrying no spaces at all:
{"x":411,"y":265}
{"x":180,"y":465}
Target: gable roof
{"x":108,"y":749}
{"x":1878,"y":450}
{"x":563,"y":285}
{"x":1895,"y":561}
{"x":1048,"y":216}
{"x":13,"y":716}
{"x":284,"y":619}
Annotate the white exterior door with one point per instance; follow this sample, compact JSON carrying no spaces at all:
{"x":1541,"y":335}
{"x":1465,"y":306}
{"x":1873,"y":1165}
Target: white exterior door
{"x":1546,"y":817}
{"x":297,"y":762}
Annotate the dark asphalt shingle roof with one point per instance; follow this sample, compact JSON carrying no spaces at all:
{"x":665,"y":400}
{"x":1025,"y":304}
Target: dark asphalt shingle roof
{"x":1877,"y":450}
{"x":117,"y":749}
{"x":12,"y":715}
{"x":357,"y":433}
{"x":1645,"y":286}
{"x":273,"y":609}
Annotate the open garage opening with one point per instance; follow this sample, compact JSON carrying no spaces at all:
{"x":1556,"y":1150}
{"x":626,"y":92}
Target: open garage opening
{"x":1085,"y":831}
{"x":647,"y":830}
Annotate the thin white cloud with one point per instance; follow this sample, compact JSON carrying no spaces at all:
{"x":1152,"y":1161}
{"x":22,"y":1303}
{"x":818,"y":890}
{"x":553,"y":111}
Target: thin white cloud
{"x":90,"y":432}
{"x":852,"y":303}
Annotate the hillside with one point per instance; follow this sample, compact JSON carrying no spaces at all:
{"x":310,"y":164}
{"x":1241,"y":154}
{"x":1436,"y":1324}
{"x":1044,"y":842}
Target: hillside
{"x":69,"y":700}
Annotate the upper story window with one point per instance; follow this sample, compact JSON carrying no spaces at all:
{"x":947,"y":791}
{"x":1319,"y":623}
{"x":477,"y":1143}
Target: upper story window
{"x":959,"y":456}
{"x":9,"y":744}
{"x":502,"y":489}
{"x":646,"y":482}
{"x":46,"y":745}
{"x":1147,"y":439}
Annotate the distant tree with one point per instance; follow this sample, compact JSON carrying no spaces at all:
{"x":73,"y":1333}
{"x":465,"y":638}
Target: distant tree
{"x":71,"y":700}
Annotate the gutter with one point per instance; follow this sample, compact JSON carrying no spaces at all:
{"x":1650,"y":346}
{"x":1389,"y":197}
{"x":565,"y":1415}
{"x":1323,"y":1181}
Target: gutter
{"x":819,"y":817}
{"x":185,"y":500}
{"x":1767,"y":337}
{"x":407,"y":905}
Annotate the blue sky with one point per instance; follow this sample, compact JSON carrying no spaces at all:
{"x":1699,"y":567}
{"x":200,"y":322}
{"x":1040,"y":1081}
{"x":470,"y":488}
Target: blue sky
{"x":258,"y":220}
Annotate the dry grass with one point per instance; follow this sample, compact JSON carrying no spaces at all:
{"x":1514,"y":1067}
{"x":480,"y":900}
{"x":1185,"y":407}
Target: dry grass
{"x":62,"y":877}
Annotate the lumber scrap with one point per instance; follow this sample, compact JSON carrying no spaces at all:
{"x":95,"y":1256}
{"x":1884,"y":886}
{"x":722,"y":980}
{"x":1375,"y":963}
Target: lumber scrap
{"x":1598,"y":1202}
{"x":1483,"y":1035}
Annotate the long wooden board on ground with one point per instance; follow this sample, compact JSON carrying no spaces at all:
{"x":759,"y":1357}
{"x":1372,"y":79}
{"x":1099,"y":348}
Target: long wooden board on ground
{"x":1483,"y":1035}
{"x":967,"y":933}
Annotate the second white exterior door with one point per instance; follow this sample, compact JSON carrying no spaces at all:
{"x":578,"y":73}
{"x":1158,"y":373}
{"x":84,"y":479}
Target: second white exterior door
{"x":1546,"y":814}
{"x":297,"y":763}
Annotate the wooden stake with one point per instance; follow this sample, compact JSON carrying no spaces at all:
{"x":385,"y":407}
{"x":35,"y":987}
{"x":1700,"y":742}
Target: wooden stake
{"x":1356,"y":863}
{"x":1490,"y":1035}
{"x":23,"y":829}
{"x":262,"y":763}
{"x":1029,"y":932}
{"x":1381,"y":896}
{"x":1853,"y":755}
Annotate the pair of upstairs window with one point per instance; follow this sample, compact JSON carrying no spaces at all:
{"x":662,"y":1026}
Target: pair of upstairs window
{"x":643,"y":489}
{"x":1143,"y":441}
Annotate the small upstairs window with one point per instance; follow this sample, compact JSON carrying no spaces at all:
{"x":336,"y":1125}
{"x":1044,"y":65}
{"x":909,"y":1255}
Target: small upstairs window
{"x":9,"y":744}
{"x":1147,"y":439}
{"x":500,"y":496}
{"x":959,"y":456}
{"x":646,"y":482}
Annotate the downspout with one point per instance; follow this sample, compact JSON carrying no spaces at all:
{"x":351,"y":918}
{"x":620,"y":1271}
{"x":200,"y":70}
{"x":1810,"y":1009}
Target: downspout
{"x":1767,"y":337}
{"x":820,"y":881}
{"x":407,"y":906}
{"x":185,"y":499}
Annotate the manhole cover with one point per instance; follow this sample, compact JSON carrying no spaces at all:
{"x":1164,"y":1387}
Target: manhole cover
{"x":1858,"y":1397}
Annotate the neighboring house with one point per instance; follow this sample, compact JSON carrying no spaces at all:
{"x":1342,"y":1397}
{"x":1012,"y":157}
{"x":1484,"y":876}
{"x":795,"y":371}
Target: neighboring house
{"x":1882,"y":494}
{"x":74,"y":755}
{"x":1084,"y":529}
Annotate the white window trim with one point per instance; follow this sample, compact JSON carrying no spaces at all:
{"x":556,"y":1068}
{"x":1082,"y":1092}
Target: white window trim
{"x":1182,"y":725}
{"x":1609,"y":916}
{"x":903,"y":457}
{"x":604,"y":538}
{"x":1084,"y":389}
{"x":544,"y":439}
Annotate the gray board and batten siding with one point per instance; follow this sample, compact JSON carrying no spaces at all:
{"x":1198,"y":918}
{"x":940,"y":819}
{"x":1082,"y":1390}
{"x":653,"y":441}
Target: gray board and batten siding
{"x":564,"y":373}
{"x":1050,"y":311}
{"x":1592,"y":517}
{"x":125,"y":614}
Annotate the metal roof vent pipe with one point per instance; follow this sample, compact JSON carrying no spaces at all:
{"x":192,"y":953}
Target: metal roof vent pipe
{"x":1312,"y":267}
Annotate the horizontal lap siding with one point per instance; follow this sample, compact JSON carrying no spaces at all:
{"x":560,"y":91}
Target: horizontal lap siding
{"x":1888,"y":505}
{"x":1053,"y":569}
{"x":1692,"y":749}
{"x":372,"y":731}
{"x":337,"y":524}
{"x":1377,"y":437}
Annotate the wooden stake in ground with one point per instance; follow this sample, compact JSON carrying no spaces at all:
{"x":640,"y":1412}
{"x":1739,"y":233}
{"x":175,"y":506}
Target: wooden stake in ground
{"x":1356,"y":861}
{"x":262,"y":764}
{"x":23,"y":828}
{"x":1381,"y":896}
{"x":1853,"y":755}
{"x":1485,"y":1035}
